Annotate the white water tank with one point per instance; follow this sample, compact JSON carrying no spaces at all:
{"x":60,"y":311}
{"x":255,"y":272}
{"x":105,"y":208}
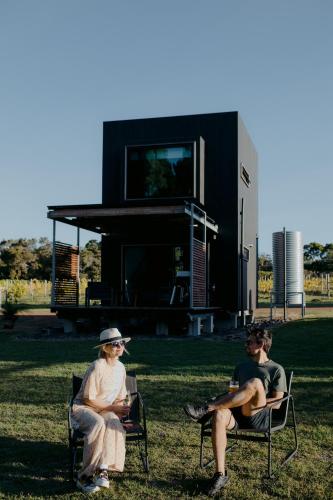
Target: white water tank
{"x":288,"y":265}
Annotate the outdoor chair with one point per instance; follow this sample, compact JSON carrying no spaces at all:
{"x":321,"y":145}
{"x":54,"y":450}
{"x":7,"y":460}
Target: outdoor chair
{"x":99,"y":291}
{"x":135,"y":426}
{"x":278,"y":421}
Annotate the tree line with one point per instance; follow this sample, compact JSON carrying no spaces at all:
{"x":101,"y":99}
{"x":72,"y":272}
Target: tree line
{"x":32,"y":259}
{"x":27,"y":259}
{"x":317,"y":258}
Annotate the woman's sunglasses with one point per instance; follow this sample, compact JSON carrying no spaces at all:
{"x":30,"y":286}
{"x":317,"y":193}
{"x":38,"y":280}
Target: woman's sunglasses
{"x":118,"y":344}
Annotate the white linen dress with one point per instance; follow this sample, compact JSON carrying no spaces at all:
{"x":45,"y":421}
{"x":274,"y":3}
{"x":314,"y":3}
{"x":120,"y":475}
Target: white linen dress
{"x":104,"y":435}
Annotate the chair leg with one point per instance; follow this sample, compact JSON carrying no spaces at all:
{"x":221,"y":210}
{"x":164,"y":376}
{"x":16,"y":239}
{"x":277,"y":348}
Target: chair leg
{"x":294,"y":450}
{"x":72,"y":458}
{"x":143,"y":452}
{"x":269,"y":465}
{"x":145,"y":460}
{"x":292,"y":453}
{"x":146,"y":454}
{"x":207,"y":464}
{"x":202,"y":464}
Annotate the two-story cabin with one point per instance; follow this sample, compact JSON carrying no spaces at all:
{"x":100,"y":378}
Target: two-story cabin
{"x":178,"y":221}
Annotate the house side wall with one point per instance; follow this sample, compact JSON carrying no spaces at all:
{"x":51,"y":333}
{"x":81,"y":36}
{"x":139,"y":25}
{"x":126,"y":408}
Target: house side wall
{"x":221,"y":133}
{"x":247,"y":158}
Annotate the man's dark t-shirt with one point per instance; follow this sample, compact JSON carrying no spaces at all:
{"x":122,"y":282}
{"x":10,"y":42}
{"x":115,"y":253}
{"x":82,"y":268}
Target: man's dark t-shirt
{"x":270,"y":373}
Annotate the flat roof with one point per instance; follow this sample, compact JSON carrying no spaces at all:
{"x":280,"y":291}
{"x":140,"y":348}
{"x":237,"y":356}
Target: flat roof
{"x":93,"y":217}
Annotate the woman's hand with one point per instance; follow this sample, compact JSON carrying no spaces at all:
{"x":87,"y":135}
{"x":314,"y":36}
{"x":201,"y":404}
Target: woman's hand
{"x":120,"y":410}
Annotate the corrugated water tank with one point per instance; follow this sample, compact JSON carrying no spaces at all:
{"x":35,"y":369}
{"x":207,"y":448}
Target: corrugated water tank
{"x":288,"y":261}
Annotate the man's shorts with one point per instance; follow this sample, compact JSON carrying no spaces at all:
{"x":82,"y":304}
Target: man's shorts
{"x":259,"y":421}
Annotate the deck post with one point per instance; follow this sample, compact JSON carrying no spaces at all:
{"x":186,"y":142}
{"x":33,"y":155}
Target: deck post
{"x":208,"y":324}
{"x":53,"y":264}
{"x":78,"y":267}
{"x":69,"y":325}
{"x":194,"y":326}
{"x":162,"y":329}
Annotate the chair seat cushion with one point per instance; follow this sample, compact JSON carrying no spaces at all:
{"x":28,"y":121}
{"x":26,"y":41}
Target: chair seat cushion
{"x":132,"y":427}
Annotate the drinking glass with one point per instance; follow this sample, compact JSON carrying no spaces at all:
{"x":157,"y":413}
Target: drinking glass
{"x":233,"y":385}
{"x":127,"y":402}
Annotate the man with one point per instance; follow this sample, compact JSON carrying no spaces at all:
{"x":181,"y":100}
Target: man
{"x":261,"y":382}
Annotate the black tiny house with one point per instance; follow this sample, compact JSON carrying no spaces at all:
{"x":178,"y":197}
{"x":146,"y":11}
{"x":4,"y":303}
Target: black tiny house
{"x":178,"y":221}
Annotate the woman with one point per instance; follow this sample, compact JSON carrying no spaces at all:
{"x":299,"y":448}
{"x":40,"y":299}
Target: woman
{"x":97,"y":410}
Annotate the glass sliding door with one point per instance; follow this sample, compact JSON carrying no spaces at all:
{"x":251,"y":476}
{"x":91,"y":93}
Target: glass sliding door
{"x":149,"y":273}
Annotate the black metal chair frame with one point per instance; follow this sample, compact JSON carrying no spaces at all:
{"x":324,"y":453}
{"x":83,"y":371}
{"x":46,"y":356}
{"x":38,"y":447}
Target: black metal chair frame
{"x":278,"y":420}
{"x":135,"y":426}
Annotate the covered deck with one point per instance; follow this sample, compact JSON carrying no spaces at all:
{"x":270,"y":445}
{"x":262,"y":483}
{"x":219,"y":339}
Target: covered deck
{"x":155,"y":262}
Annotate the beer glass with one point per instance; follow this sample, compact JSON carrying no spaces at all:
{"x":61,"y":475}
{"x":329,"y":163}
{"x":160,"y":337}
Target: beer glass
{"x":233,"y":385}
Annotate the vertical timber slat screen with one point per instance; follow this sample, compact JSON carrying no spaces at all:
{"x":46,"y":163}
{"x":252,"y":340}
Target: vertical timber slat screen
{"x":66,"y":285}
{"x":199,"y":273}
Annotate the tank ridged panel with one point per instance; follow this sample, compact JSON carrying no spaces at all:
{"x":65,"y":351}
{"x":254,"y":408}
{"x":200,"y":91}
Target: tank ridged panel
{"x":294,"y":267}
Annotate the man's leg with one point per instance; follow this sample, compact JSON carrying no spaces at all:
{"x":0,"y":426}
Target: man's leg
{"x":250,"y":396}
{"x":223,"y":420}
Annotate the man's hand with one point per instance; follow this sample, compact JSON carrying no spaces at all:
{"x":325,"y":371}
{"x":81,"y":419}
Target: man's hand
{"x":276,"y":397}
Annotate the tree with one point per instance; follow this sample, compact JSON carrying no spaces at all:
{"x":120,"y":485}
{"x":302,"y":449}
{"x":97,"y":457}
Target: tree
{"x":44,"y":260}
{"x":90,"y":261}
{"x":318,"y":257}
{"x":313,"y":251}
{"x":25,"y":259}
{"x":17,"y":258}
{"x":265,"y":262}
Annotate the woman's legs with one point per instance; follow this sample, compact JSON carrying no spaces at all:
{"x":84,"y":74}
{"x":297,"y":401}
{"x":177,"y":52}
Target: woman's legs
{"x":93,"y":427}
{"x":113,"y":453}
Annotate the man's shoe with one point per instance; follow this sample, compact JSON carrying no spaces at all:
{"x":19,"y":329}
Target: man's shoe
{"x":196,"y":412}
{"x":218,"y":482}
{"x":102,"y":479}
{"x":87,"y":486}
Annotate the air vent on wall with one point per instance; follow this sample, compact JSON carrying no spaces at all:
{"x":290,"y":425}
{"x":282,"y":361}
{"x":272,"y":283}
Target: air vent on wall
{"x":244,"y":174}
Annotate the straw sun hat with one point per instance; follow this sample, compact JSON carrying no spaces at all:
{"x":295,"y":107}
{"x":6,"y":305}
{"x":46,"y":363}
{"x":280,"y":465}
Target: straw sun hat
{"x":111,"y":335}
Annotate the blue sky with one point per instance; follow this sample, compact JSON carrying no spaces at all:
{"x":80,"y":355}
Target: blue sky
{"x":67,"y":66}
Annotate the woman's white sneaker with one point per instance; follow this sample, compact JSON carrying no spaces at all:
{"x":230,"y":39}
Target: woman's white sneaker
{"x":102,"y":479}
{"x":87,"y":486}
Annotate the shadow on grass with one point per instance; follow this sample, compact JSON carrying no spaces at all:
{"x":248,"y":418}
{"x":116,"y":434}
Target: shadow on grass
{"x":33,"y":466}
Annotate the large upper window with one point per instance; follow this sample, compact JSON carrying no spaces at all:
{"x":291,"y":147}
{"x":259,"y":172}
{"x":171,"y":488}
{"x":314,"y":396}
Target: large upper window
{"x":160,"y":171}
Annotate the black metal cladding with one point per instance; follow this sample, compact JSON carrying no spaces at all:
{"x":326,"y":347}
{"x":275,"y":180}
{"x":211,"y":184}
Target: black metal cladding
{"x":223,"y":149}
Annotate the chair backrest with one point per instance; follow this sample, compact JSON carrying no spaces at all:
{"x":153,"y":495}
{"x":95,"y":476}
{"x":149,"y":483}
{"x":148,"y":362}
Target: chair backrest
{"x":132,"y":387}
{"x":281,"y":414}
{"x":76,"y":384}
{"x":98,"y":290}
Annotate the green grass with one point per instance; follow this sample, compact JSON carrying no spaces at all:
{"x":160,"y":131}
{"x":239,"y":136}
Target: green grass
{"x":35,"y":382}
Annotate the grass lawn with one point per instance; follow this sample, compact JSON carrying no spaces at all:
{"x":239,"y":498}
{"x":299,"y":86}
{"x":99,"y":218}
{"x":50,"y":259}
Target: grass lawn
{"x":35,"y":382}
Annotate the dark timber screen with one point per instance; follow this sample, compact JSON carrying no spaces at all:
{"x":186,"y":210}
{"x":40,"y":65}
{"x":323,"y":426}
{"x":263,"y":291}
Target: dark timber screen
{"x":66,"y":284}
{"x":199,"y":273}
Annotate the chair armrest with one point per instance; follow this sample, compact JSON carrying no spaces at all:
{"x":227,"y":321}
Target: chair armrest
{"x":279,"y":401}
{"x":143,"y":409}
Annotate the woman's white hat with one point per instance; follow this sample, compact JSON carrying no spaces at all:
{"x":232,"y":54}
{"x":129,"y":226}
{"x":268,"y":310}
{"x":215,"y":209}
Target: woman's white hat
{"x":111,"y":335}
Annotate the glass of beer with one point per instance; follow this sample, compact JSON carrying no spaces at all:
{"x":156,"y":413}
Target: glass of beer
{"x":127,"y":402}
{"x":233,"y":385}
